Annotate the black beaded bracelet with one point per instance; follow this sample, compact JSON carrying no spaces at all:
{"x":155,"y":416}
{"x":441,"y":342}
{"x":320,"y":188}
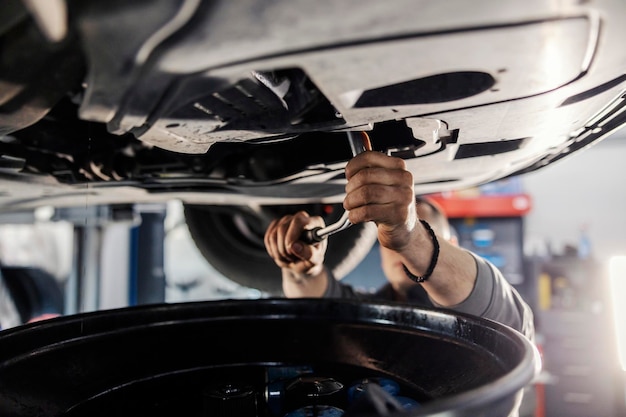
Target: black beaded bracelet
{"x":433,"y":260}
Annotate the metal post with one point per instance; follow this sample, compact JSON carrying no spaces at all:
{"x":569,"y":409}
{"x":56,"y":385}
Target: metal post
{"x":82,"y":290}
{"x":150,"y":273}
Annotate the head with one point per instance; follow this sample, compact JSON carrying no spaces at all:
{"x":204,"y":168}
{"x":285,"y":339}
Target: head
{"x":426,"y":210}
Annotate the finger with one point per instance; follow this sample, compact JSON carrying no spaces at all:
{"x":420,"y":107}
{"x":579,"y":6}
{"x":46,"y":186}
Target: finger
{"x":387,"y":214}
{"x":400,"y":196}
{"x":267,"y":238}
{"x":379,"y":176}
{"x":282,"y":238}
{"x":302,"y":266}
{"x":373,"y":159}
{"x":270,"y":240}
{"x":301,"y":221}
{"x":272,"y":249}
{"x":274,"y":241}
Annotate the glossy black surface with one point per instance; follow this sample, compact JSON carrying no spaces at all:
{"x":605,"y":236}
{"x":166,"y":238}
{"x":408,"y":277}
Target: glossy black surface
{"x":158,"y":360}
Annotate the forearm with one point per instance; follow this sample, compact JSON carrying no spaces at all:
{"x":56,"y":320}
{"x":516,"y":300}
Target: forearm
{"x":296,"y":285}
{"x":454,"y":275}
{"x":466,"y":283}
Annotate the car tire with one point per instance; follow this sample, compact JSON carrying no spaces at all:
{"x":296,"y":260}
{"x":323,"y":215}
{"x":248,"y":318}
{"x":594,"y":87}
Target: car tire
{"x":230,"y":238}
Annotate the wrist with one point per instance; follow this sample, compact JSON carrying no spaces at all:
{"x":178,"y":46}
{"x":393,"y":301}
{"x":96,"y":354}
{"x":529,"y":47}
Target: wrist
{"x":427,"y":264}
{"x":299,"y":277}
{"x":304,"y":284}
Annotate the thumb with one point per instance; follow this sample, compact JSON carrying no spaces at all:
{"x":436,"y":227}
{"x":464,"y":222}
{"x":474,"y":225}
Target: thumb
{"x":297,"y":248}
{"x":301,"y":251}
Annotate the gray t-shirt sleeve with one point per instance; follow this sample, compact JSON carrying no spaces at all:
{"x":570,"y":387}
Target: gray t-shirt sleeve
{"x":335,"y":289}
{"x":494,"y":298}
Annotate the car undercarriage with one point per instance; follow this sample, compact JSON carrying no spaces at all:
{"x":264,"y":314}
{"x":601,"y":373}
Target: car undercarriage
{"x":214,"y":101}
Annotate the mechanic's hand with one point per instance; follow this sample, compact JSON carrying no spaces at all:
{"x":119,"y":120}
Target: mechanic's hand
{"x":283,"y":244}
{"x":380,"y":189}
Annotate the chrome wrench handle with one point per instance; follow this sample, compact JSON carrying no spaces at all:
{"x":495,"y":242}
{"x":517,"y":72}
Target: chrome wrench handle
{"x":320,"y":233}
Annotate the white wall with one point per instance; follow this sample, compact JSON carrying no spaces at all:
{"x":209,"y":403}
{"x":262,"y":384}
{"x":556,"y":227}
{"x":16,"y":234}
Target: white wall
{"x":586,"y":188}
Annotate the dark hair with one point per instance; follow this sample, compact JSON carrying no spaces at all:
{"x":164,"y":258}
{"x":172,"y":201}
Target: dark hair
{"x":436,"y":216}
